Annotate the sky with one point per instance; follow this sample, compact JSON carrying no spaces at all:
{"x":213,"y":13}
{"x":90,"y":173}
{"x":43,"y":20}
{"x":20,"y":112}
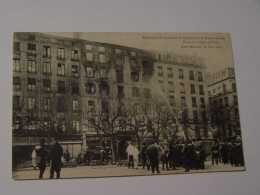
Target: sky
{"x":217,"y":55}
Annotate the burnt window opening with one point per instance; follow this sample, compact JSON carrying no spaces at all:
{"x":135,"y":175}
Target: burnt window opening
{"x":120,"y":91}
{"x":135,"y":76}
{"x":202,"y":102}
{"x":61,"y":87}
{"x":16,"y":47}
{"x":201,"y":90}
{"x":147,"y":66}
{"x":32,"y":49}
{"x":31,"y":84}
{"x":103,"y":89}
{"x":75,"y":70}
{"x":119,"y":76}
{"x":75,"y":88}
{"x":90,"y":88}
{"x":192,"y":89}
{"x":195,"y":115}
{"x":46,"y":84}
{"x":204,"y":116}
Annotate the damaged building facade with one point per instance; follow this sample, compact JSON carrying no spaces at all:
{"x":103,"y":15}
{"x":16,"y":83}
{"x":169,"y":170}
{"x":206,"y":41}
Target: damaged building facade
{"x":58,"y":81}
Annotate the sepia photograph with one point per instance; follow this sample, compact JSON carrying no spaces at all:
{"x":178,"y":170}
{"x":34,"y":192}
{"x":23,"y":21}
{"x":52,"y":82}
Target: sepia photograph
{"x":109,"y":104}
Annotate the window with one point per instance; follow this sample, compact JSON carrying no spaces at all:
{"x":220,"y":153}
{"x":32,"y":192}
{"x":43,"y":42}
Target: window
{"x":226,"y":101}
{"x":16,"y":83}
{"x":202,"y":102}
{"x":61,"y":105}
{"x":235,"y":99}
{"x":183,"y":101}
{"x":160,"y":71}
{"x":75,"y":70}
{"x":120,"y":91}
{"x":118,"y":51}
{"x":61,"y":87}
{"x":16,"y":102}
{"x":220,"y":102}
{"x":200,"y":78}
{"x":119,"y":61}
{"x":91,"y":105}
{"x":47,"y":104}
{"x":170,"y":74}
{"x":103,"y":73}
{"x":168,"y":57}
{"x":89,"y":57}
{"x":224,"y":88}
{"x":135,"y":76}
{"x":104,"y":106}
{"x":16,"y":47}
{"x":89,"y":47}
{"x":194,"y":102}
{"x":16,"y":65}
{"x":181,"y":76}
{"x":61,"y":69}
{"x":136,"y":92}
{"x":192,"y":89}
{"x":46,"y":51}
{"x":31,"y":84}
{"x":32,"y":49}
{"x":90,"y":72}
{"x":172,"y":101}
{"x":46,"y":84}
{"x":189,"y":61}
{"x":147,"y":93}
{"x":133,"y":53}
{"x":161,"y":85}
{"x":179,"y":59}
{"x":75,"y":105}
{"x":75,"y":126}
{"x":31,"y":102}
{"x":31,"y":66}
{"x":102,"y":49}
{"x":182,"y":89}
{"x":103,"y":89}
{"x":31,"y":38}
{"x":74,"y":55}
{"x":159,"y":57}
{"x":171,"y":89}
{"x":90,"y":88}
{"x":102,"y":58}
{"x":75,"y":88}
{"x":191,"y":74}
{"x":201,"y":90}
{"x":195,"y":115}
{"x":61,"y":53}
{"x":119,"y":76}
{"x":133,"y":63}
{"x":46,"y":68}
{"x":234,"y":88}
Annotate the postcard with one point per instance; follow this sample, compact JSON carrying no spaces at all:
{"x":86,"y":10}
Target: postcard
{"x":92,"y":104}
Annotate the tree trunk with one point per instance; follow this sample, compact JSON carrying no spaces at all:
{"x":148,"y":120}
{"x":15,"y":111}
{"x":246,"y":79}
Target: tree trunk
{"x":113,"y":151}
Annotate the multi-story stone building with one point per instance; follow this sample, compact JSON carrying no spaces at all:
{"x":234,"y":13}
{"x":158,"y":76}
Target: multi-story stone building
{"x":223,"y":103}
{"x":182,"y":79}
{"x":57,"y":81}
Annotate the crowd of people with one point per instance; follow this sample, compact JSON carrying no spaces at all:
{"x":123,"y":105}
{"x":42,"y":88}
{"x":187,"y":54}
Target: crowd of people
{"x":188,"y":155}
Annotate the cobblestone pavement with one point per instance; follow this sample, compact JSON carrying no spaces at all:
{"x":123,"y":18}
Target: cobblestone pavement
{"x":112,"y":170}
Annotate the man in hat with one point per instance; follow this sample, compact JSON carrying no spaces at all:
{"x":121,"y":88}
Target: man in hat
{"x":41,"y":157}
{"x":153,"y":157}
{"x":55,"y":157}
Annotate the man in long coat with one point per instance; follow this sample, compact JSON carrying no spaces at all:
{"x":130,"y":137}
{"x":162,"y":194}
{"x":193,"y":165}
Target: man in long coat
{"x":153,"y":157}
{"x":55,"y":157}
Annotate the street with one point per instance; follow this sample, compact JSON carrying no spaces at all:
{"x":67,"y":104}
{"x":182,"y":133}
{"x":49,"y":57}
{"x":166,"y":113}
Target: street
{"x":113,"y":170}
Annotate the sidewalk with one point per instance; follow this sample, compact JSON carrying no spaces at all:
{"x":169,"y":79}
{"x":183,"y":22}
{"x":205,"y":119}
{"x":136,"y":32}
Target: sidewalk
{"x":112,"y":170}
